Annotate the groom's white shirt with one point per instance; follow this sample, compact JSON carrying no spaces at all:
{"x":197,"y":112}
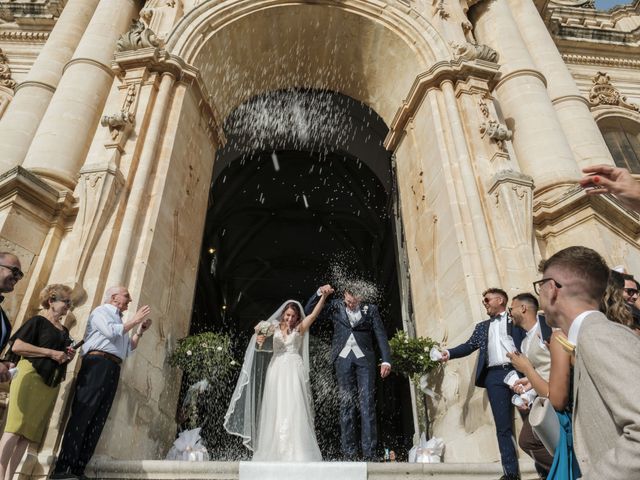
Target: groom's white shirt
{"x":352,"y":345}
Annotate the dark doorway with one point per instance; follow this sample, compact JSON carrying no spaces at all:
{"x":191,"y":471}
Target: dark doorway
{"x":302,"y":195}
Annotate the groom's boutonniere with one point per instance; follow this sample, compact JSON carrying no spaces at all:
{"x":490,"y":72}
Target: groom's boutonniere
{"x":365,"y":309}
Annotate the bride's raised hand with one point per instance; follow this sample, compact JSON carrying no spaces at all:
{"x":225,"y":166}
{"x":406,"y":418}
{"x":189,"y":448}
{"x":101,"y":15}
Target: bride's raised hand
{"x":260,"y":340}
{"x":327,"y":290}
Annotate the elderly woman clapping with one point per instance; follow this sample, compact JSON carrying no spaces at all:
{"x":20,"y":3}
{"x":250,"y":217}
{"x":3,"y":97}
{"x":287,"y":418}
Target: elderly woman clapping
{"x":43,"y":344}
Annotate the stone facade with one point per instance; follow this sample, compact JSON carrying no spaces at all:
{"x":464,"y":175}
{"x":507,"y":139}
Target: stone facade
{"x":108,"y":130}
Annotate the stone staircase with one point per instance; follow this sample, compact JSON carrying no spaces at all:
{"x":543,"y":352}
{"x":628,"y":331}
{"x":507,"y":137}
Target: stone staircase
{"x":171,"y":470}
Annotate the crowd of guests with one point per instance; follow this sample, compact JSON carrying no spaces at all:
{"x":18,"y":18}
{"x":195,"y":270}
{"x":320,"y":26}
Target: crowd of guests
{"x":36,"y":363}
{"x":576,"y":342}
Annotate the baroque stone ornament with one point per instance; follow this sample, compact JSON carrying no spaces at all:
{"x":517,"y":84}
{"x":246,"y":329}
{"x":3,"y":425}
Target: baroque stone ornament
{"x":5,"y":72}
{"x":439,"y":9}
{"x":474,"y":51}
{"x":138,"y":36}
{"x":604,"y":93}
{"x":492,"y":128}
{"x":120,"y":121}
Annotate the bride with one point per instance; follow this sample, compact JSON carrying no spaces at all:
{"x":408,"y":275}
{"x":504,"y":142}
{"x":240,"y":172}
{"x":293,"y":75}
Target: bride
{"x":273,"y":412}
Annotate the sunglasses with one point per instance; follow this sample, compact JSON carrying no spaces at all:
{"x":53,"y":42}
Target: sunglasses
{"x":631,"y":291}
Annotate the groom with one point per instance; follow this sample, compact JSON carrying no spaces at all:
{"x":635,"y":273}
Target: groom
{"x":355,"y":324}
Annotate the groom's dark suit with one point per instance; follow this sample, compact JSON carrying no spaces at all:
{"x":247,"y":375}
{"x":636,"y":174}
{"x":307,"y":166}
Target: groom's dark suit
{"x":492,"y":378}
{"x":356,"y":376}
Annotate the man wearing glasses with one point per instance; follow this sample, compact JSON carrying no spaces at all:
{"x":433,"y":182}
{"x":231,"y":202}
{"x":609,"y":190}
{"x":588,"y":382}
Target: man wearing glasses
{"x":10,"y":274}
{"x":495,"y":337}
{"x":606,"y":411}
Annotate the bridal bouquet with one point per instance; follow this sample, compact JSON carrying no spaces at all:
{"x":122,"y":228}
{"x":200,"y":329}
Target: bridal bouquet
{"x":265,"y":328}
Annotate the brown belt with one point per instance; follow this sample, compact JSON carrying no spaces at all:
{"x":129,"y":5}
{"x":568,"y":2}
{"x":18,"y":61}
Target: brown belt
{"x":109,"y":356}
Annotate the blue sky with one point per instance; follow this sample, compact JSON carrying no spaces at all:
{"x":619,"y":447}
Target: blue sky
{"x":607,"y":4}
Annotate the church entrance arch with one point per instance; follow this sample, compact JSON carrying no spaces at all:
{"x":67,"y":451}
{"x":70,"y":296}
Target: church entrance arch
{"x":302,"y":196}
{"x":283,"y":208}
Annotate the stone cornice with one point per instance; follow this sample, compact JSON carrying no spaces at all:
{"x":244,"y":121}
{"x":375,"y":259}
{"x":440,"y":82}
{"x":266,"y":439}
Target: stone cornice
{"x":22,"y":182}
{"x":604,"y":27}
{"x":554,"y":215}
{"x":452,"y":71}
{"x":28,"y":11}
{"x":159,"y":60}
{"x":578,"y":59}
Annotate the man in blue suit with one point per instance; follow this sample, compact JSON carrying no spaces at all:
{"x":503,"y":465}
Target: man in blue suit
{"x":495,"y":337}
{"x":355,"y":324}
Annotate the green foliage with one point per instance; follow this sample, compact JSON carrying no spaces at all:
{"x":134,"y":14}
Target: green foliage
{"x":206,"y":356}
{"x":410,"y":356}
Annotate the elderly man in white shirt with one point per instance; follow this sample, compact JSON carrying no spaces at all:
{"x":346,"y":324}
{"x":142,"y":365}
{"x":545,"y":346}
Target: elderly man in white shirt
{"x":107,"y":344}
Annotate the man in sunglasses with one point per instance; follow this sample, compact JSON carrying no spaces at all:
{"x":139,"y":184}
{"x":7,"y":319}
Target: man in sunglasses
{"x":10,"y":274}
{"x":495,"y":337}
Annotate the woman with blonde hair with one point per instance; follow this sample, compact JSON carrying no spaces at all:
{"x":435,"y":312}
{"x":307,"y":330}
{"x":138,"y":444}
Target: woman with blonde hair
{"x":43,"y":345}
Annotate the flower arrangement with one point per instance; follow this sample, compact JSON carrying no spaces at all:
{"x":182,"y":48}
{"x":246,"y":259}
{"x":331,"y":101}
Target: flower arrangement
{"x":205,"y":356}
{"x":209,"y":369}
{"x":411,"y":357}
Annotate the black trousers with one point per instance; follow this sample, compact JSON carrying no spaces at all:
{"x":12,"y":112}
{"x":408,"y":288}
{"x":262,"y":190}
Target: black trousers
{"x":356,"y":389}
{"x":95,"y":390}
{"x":500,"y":400}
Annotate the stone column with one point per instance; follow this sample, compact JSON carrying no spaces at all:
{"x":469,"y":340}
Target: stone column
{"x":123,"y":254}
{"x":538,"y":139}
{"x":572,"y":109}
{"x":64,"y":135}
{"x":32,"y":96}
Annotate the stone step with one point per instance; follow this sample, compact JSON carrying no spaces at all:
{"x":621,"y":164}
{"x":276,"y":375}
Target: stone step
{"x":172,"y":470}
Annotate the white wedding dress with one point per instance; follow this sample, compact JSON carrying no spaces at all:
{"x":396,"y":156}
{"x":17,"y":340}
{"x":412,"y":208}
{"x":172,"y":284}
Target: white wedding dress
{"x":271,"y":408}
{"x":286,"y":431}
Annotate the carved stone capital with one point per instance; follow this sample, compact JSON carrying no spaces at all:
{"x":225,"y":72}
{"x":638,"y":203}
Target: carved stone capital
{"x":511,"y":177}
{"x":604,"y":93}
{"x":453,"y":71}
{"x":138,"y":36}
{"x":153,"y":59}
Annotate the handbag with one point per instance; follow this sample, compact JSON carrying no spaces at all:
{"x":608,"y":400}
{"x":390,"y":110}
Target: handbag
{"x":544,"y":423}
